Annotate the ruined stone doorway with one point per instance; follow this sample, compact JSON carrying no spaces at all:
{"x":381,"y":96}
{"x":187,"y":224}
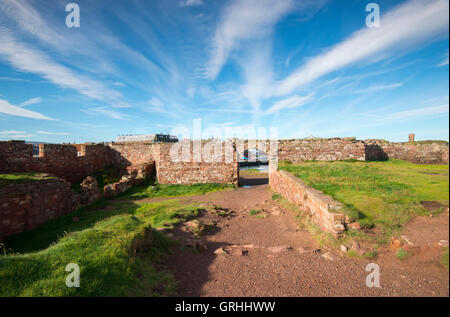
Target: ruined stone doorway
{"x":253,"y":168}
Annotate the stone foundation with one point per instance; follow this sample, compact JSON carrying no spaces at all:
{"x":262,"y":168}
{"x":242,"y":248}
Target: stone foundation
{"x":70,"y":162}
{"x":324,"y":210}
{"x":429,"y":152}
{"x":25,"y":206}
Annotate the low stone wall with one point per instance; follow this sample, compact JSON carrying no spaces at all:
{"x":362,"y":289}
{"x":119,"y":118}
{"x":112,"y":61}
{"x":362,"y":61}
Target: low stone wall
{"x":324,"y":210}
{"x":185,"y":170}
{"x":169,"y":171}
{"x":332,"y":149}
{"x":27,"y":205}
{"x":420,"y":153}
{"x":71,"y":162}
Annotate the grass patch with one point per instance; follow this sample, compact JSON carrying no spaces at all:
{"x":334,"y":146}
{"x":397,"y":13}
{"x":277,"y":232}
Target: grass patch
{"x":18,"y":178}
{"x":385,"y":194}
{"x":255,"y":212}
{"x":444,"y":258}
{"x":172,"y":190}
{"x":102,"y":250}
{"x":276,"y":197}
{"x":101,"y":241}
{"x":402,"y":254}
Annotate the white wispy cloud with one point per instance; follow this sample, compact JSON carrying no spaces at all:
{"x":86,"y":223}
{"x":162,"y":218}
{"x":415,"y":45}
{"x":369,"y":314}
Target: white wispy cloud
{"x":402,"y":27}
{"x":419,"y":112}
{"x":107,"y":112}
{"x":7,"y":132}
{"x":191,"y":3}
{"x":444,"y":62}
{"x":379,"y":87}
{"x":52,"y":133}
{"x":9,"y":109}
{"x":31,"y":101}
{"x":243,"y":20}
{"x":289,"y":103}
{"x":28,"y":59}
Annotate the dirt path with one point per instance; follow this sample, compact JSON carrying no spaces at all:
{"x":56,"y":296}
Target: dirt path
{"x":266,"y":255}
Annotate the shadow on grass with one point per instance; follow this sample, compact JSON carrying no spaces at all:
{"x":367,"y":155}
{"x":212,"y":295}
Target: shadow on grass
{"x":46,"y":234}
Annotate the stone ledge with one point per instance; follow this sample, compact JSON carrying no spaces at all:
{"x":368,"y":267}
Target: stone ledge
{"x":324,"y":209}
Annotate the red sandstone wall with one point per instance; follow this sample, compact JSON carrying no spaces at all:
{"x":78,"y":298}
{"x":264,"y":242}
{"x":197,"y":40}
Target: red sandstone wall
{"x":321,"y":150}
{"x":324,"y":209}
{"x":56,"y":159}
{"x":170,"y":171}
{"x":27,"y":205}
{"x":429,"y":153}
{"x":135,"y":153}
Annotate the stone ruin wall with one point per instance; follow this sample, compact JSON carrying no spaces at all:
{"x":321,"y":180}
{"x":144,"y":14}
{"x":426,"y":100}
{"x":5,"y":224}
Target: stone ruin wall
{"x":332,"y":149}
{"x":209,"y":168}
{"x":428,"y":152}
{"x":324,"y":210}
{"x":184,"y":171}
{"x":56,"y":159}
{"x":25,"y":206}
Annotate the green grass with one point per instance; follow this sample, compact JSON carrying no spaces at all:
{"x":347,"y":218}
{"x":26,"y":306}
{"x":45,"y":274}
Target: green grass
{"x":255,"y":212}
{"x":384,"y":194}
{"x":101,"y":242}
{"x":444,"y":258}
{"x":276,"y":197}
{"x":16,"y":178}
{"x":172,"y":190}
{"x":402,"y":254}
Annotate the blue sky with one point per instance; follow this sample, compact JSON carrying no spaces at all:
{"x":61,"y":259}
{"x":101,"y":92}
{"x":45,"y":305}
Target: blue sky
{"x":309,"y":68}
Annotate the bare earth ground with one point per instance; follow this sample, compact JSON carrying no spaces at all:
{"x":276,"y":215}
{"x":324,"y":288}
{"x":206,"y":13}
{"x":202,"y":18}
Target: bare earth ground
{"x":270,"y":257}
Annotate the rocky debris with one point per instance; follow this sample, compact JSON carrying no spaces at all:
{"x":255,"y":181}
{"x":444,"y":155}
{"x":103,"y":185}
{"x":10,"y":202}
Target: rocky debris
{"x":89,"y":192}
{"x":328,"y":256}
{"x":192,"y":224}
{"x":344,"y":248}
{"x":395,"y":244}
{"x":279,"y":249}
{"x":196,"y":244}
{"x":89,"y":183}
{"x":239,"y":251}
{"x":443,"y":243}
{"x":276,"y":211}
{"x":356,"y":247}
{"x":407,"y":240}
{"x":126,"y":182}
{"x":221,"y":251}
{"x":354,"y":226}
{"x":301,"y":250}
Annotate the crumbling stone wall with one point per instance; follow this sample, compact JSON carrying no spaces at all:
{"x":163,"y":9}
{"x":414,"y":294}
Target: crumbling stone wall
{"x":71,"y":162}
{"x":208,"y":169}
{"x":332,"y":149}
{"x":428,"y":152}
{"x":189,"y":169}
{"x":325,"y":211}
{"x":25,"y":206}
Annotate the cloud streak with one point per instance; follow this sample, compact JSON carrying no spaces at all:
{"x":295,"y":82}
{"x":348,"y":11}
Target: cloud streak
{"x":295,"y":101}
{"x":403,"y":26}
{"x":243,"y":20}
{"x":9,"y":109}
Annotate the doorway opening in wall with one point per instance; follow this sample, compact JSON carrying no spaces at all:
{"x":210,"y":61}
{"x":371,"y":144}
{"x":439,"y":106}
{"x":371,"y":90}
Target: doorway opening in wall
{"x":253,"y":168}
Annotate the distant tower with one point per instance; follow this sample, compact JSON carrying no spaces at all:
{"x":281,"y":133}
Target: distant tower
{"x":411,"y":137}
